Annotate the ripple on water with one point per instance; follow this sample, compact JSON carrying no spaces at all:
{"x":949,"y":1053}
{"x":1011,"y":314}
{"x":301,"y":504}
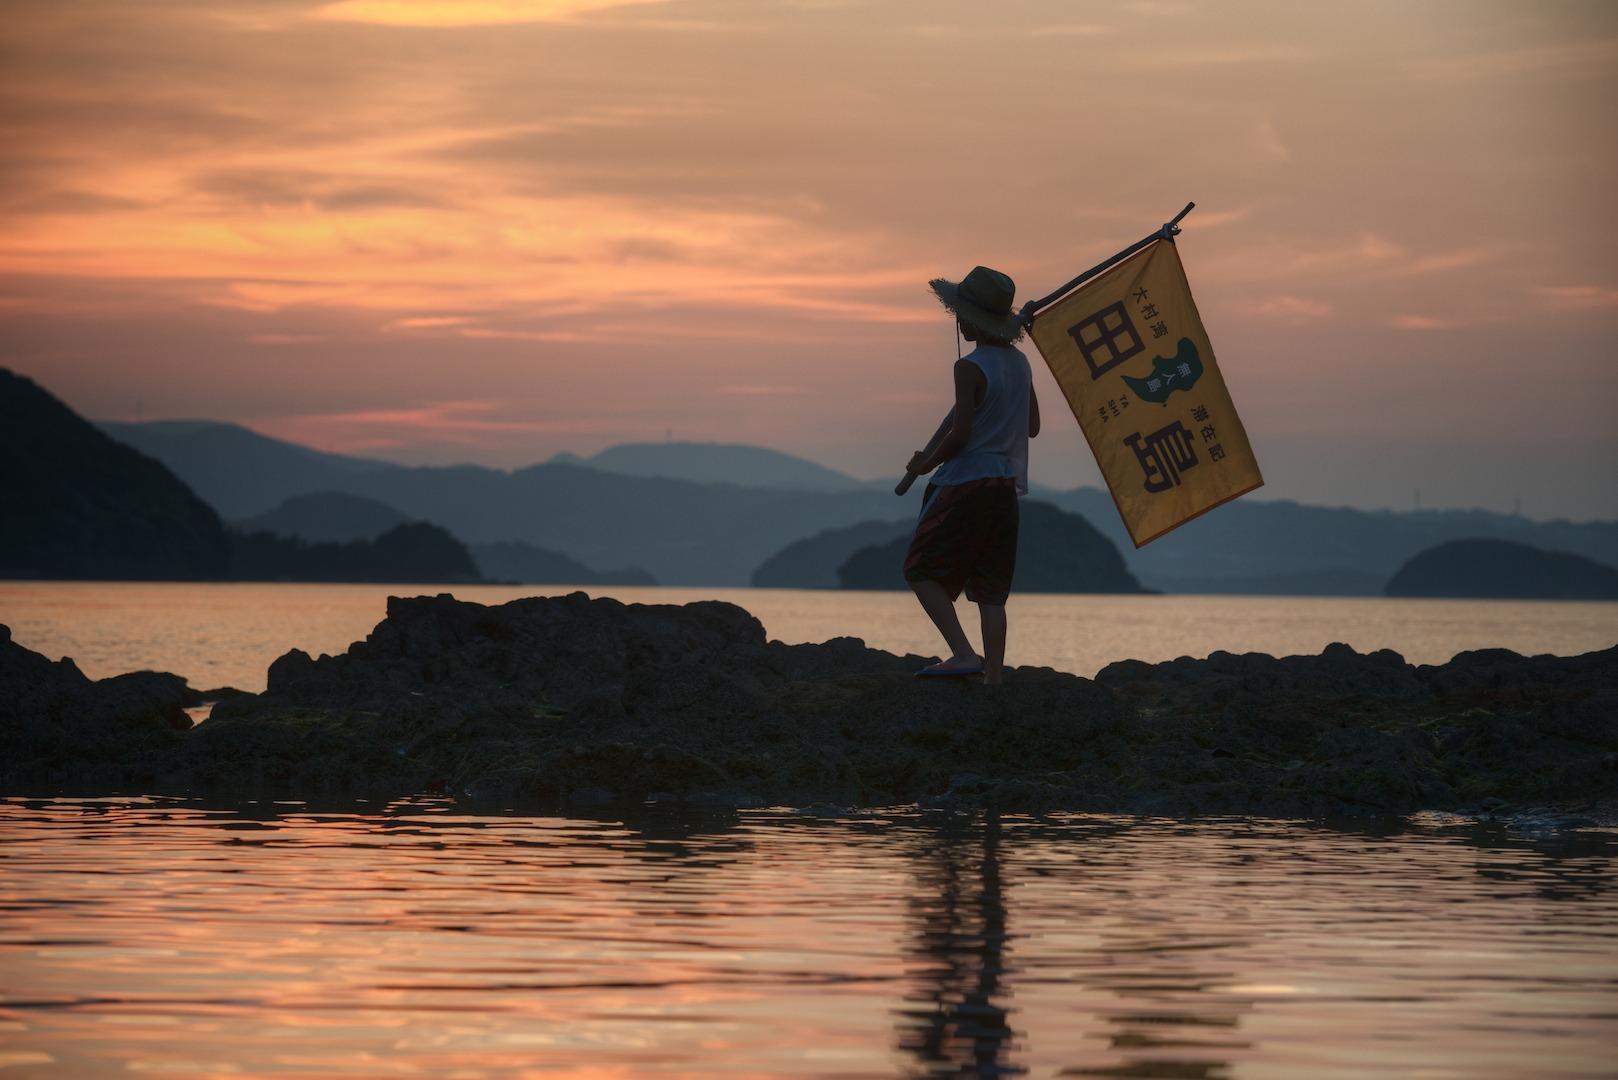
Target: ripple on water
{"x":172,"y":937}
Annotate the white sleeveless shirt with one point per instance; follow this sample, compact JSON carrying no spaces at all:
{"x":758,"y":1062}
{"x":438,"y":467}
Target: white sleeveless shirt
{"x":999,"y":442}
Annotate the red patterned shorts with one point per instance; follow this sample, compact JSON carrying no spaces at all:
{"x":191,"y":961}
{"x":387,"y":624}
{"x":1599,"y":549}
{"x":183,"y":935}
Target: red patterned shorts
{"x":967,"y":537}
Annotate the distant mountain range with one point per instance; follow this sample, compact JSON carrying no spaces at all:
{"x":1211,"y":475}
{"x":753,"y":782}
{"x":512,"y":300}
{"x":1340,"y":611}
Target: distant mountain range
{"x":716,"y":463}
{"x":691,"y":531}
{"x":239,"y":472}
{"x":681,"y":532}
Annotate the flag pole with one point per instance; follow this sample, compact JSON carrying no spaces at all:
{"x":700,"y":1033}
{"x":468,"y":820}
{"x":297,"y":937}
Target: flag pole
{"x":1170,"y":229}
{"x":932,"y":444}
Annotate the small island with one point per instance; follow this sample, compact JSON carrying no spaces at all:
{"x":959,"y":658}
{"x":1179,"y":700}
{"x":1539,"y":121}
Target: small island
{"x":811,"y":563}
{"x":1057,"y":552}
{"x":1503,"y":570}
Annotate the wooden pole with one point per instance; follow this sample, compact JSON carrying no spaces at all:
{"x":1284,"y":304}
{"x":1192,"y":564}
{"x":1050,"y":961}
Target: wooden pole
{"x":932,"y":444}
{"x":1169,"y":231}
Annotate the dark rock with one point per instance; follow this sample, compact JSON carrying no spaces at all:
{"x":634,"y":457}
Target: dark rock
{"x":217,"y":694}
{"x":58,"y":726}
{"x":590,"y":796}
{"x":724,"y":800}
{"x":826,"y":810}
{"x":572,"y":701}
{"x":149,"y":698}
{"x":1338,"y":671}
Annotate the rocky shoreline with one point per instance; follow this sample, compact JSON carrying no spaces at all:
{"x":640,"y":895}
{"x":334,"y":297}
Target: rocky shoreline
{"x":574,"y":702}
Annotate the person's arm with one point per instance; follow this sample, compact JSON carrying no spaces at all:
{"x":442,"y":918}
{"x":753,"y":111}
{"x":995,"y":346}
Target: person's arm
{"x":1033,"y":412}
{"x":969,"y":386}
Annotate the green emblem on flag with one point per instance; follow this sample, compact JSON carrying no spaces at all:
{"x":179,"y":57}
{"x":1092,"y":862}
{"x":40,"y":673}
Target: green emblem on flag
{"x":1179,"y":372}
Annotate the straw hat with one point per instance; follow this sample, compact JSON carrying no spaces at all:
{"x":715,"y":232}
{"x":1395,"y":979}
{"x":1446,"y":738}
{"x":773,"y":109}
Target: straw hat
{"x":982,"y":300}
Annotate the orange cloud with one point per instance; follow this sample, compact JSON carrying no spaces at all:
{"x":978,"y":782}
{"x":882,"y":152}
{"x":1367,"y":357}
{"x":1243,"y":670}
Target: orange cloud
{"x":462,"y":194}
{"x":1291,"y":309}
{"x":463,"y":423}
{"x":758,"y":391}
{"x":447,"y":13}
{"x":427,"y":322}
{"x":285,"y":339}
{"x":437,"y":416}
{"x":1422,"y":322}
{"x":1579,"y":297}
{"x":1438,"y":262}
{"x":1569,"y":58}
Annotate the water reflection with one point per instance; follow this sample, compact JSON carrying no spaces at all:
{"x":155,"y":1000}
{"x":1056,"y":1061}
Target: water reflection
{"x":956,"y":954}
{"x":412,"y":939}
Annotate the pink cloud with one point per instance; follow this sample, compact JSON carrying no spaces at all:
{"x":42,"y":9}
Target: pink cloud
{"x":440,"y":415}
{"x":1579,"y":297}
{"x":1422,"y":322}
{"x":465,"y":423}
{"x":1437,"y":262}
{"x":671,"y":228}
{"x":285,"y":339}
{"x":1290,"y":309}
{"x":450,"y":13}
{"x":486,"y":333}
{"x":427,"y":322}
{"x":1575,"y":57}
{"x":758,"y":391}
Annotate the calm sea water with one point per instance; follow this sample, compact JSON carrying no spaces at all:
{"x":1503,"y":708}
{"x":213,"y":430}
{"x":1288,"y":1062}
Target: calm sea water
{"x":226,"y":635}
{"x":170,"y":939}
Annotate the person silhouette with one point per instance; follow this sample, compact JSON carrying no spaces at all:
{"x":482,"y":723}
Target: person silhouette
{"x":966,"y":533}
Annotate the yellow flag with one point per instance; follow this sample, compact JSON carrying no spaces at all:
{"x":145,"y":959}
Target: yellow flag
{"x":1130,"y":354}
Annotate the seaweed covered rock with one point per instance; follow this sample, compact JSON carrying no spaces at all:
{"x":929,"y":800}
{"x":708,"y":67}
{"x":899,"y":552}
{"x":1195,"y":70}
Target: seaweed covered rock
{"x":56,"y":724}
{"x":545,"y":696}
{"x":1352,"y":732}
{"x":568,"y":700}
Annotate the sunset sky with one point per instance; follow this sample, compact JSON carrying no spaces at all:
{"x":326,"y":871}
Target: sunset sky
{"x":494,"y":230}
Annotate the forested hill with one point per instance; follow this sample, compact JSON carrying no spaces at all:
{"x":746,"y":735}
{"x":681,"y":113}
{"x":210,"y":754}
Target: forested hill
{"x":1057,"y":552}
{"x":1502,"y":570}
{"x":79,"y":504}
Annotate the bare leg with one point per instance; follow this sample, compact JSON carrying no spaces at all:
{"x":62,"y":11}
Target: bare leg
{"x":994,"y":640}
{"x":939,"y":608}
